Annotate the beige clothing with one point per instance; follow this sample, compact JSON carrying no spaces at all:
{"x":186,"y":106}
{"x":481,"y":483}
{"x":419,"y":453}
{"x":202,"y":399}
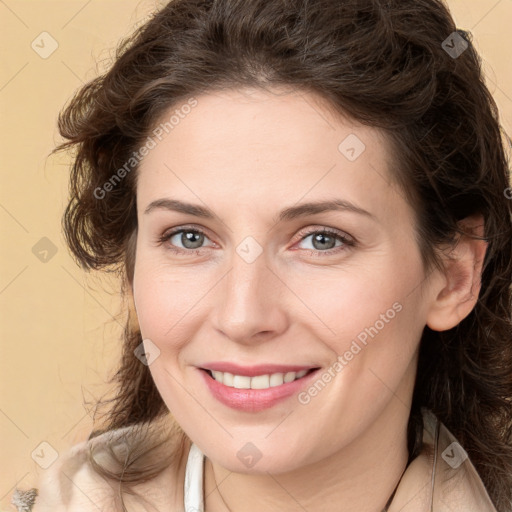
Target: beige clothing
{"x":440,"y":479}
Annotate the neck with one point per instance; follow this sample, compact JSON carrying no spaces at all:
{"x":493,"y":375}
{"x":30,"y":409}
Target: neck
{"x":361,"y":476}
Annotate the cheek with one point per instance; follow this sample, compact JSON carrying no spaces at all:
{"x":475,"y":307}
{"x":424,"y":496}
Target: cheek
{"x":163,"y":305}
{"x":163,"y":297}
{"x":348,"y":302}
{"x":372,"y":316}
{"x":154,"y":299}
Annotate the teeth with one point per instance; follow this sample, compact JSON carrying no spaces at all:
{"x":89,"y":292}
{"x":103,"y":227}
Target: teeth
{"x":260,"y":382}
{"x":289,"y":377}
{"x":228,"y":378}
{"x":241,"y":382}
{"x":257,"y":382}
{"x":276,"y":379}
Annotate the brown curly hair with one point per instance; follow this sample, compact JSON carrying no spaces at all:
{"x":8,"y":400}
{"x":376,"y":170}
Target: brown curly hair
{"x":382,"y":62}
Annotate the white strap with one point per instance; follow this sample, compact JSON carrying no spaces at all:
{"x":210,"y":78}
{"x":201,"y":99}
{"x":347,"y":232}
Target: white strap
{"x":194,"y":480}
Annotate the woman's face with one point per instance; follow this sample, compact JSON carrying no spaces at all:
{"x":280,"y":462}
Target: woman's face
{"x":233,"y":274}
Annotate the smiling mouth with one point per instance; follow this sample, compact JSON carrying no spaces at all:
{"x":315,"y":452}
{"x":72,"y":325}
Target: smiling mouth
{"x":264,"y":381}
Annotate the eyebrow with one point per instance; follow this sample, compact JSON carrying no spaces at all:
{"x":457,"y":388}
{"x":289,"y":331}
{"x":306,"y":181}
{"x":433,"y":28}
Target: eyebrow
{"x":288,"y":214}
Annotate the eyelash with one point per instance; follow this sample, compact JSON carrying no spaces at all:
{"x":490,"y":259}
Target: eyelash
{"x":346,"y":241}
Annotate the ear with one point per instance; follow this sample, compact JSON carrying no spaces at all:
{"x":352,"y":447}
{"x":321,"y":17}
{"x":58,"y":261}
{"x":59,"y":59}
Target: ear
{"x":458,"y":291}
{"x":132,"y":312}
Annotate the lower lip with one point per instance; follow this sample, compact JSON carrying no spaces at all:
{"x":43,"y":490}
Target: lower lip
{"x":254,"y":400}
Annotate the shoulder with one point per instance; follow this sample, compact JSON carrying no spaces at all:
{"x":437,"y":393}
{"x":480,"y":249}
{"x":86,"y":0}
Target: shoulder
{"x":442,"y":477}
{"x":458,"y":484}
{"x":73,"y":484}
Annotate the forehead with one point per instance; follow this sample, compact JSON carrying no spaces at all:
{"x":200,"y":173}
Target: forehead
{"x":264,"y":120}
{"x":241,"y":143}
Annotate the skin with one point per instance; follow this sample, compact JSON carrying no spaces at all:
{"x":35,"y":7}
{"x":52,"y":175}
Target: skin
{"x":246,"y":155}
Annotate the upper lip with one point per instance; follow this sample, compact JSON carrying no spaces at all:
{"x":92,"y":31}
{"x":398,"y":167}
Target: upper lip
{"x":252,"y":371}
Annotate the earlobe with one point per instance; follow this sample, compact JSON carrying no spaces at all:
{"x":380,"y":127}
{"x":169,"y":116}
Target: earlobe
{"x":132,"y":311}
{"x":458,"y":292}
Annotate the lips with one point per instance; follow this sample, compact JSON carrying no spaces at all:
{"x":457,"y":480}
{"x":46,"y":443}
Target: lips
{"x":255,"y":388}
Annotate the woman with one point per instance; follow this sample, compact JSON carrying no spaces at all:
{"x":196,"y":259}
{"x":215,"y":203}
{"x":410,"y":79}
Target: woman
{"x":306,"y":202}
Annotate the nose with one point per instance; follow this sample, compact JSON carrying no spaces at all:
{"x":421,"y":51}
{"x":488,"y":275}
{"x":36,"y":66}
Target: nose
{"x":248,"y":304}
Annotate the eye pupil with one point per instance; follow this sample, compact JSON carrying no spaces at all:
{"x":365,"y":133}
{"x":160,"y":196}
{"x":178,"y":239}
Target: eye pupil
{"x":192,"y":237}
{"x":321,"y":238}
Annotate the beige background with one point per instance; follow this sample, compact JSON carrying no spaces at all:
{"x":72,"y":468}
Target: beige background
{"x":59,"y":326}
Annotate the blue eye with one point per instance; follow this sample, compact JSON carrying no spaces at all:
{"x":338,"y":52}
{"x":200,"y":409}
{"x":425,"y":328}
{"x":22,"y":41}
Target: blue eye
{"x":327,"y":241}
{"x":191,"y":239}
{"x":324,"y":241}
